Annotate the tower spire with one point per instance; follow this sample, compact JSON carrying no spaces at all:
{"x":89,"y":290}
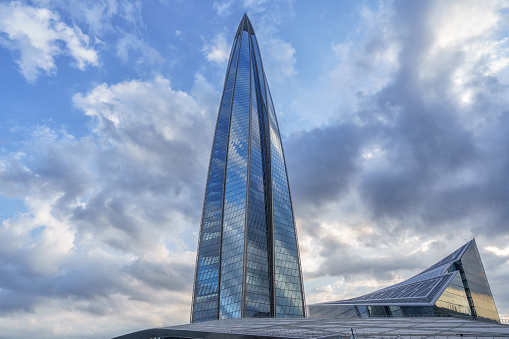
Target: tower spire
{"x":244,"y":26}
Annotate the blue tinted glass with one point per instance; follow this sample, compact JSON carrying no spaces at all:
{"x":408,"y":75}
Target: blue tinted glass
{"x":232,"y":258}
{"x":287,"y":275}
{"x":205,"y":296}
{"x":257,"y":303}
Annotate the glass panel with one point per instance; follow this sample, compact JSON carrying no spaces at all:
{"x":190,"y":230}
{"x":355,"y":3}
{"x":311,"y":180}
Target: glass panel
{"x":205,"y":303}
{"x":232,"y":256}
{"x":257,"y":268}
{"x":453,"y":300}
{"x":287,"y":275}
{"x":477,"y":282}
{"x":418,"y":311}
{"x":378,"y":311}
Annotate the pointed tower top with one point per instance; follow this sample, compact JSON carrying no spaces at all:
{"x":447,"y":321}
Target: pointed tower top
{"x":245,"y":25}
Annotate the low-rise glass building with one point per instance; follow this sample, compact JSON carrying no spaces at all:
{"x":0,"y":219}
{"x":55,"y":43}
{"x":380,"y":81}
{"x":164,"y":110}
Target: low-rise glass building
{"x":456,"y":285}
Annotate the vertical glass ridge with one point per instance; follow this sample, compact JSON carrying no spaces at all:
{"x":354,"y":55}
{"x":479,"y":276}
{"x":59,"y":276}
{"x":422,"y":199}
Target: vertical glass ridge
{"x":232,"y":261}
{"x":247,"y":260}
{"x":476,"y":284}
{"x":206,"y":286}
{"x":257,"y":302}
{"x":287,"y":277}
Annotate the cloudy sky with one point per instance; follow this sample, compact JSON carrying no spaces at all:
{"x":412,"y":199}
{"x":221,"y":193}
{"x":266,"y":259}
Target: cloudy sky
{"x":394,"y":117}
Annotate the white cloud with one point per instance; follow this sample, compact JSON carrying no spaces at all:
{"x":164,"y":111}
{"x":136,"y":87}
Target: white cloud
{"x":457,"y":22}
{"x":218,"y":50}
{"x":465,"y":32}
{"x":103,"y":245}
{"x":173,"y":115}
{"x":36,"y":35}
{"x":279,"y":57}
{"x":130,"y":43}
{"x":103,"y":20}
{"x":254,"y":6}
{"x":97,"y":15}
{"x":223,"y":8}
{"x":363,"y":64}
{"x":502,"y":252}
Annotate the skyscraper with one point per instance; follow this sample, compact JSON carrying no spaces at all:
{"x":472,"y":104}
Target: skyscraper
{"x":248,"y":261}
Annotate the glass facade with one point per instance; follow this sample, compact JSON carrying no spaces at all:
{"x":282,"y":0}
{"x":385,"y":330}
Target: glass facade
{"x":453,"y":300}
{"x":476,"y":284}
{"x":248,"y":261}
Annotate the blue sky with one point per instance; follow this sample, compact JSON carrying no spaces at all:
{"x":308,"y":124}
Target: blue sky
{"x":394,"y":118}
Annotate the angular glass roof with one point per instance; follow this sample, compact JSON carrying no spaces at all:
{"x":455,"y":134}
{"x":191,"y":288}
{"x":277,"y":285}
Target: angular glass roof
{"x":456,"y":285}
{"x":423,"y":288}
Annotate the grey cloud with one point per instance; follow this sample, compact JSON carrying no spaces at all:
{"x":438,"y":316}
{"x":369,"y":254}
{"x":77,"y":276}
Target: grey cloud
{"x":25,"y":285}
{"x":381,"y":252}
{"x":87,"y":283}
{"x":175,"y":276}
{"x":342,"y":259}
{"x":322,"y":162}
{"x":440,"y":174}
{"x":428,"y":145}
{"x":424,"y":146}
{"x":156,"y":161}
{"x":440,"y":165}
{"x":14,"y":302}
